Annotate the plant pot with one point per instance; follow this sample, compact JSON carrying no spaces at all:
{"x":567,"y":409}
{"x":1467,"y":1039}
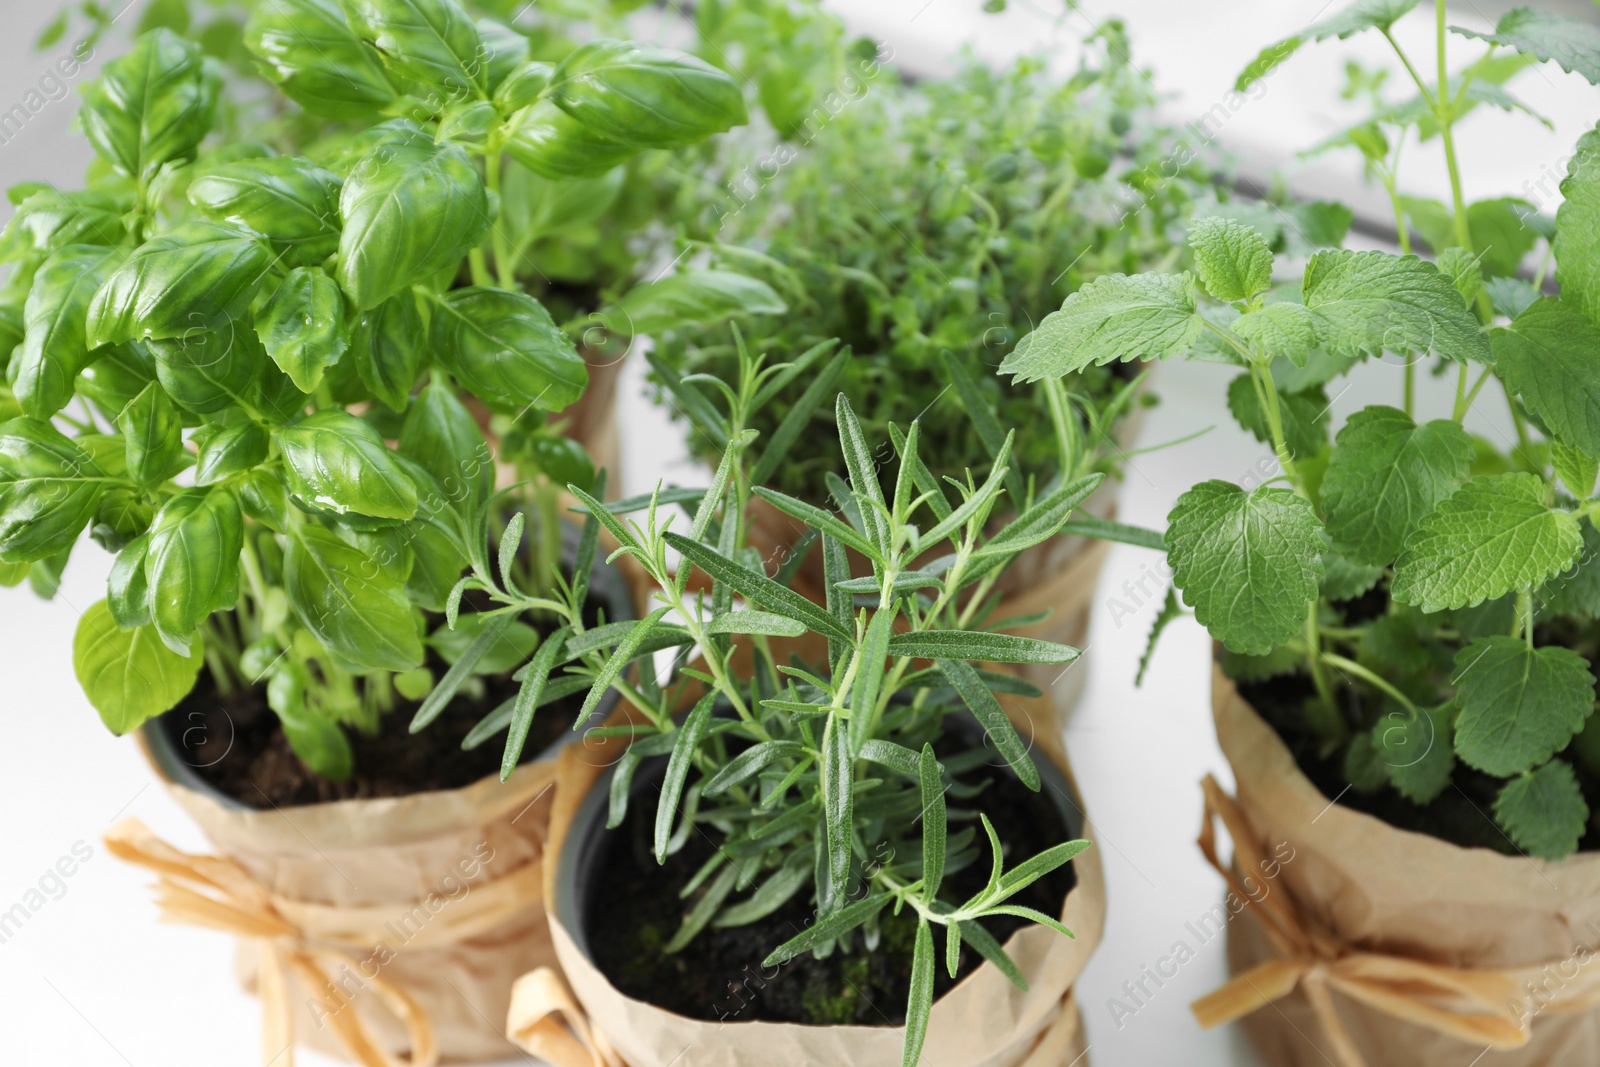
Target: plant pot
{"x":431,"y":898}
{"x":984,"y":1021}
{"x":1058,"y":575}
{"x":1387,"y":948}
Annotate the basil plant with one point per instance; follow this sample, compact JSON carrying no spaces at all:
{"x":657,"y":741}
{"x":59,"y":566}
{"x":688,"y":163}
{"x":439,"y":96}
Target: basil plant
{"x":244,"y":372}
{"x":804,"y":763}
{"x":1418,"y":606}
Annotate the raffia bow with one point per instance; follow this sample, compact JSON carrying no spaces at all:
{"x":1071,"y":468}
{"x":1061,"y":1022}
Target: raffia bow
{"x":1482,"y":1007}
{"x":315,"y":942}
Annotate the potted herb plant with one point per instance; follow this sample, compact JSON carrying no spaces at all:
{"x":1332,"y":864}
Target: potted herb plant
{"x":242,"y":373}
{"x":929,"y":227}
{"x":1403,"y":616}
{"x":875,"y":793}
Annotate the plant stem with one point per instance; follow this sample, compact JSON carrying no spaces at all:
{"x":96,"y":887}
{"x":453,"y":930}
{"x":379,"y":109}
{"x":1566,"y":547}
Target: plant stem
{"x":1352,"y":667}
{"x":493,"y":163}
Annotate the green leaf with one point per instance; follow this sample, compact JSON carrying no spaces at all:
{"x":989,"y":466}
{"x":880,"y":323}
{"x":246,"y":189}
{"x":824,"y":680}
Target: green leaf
{"x":129,"y":676}
{"x":1544,"y":812}
{"x":1509,"y":297}
{"x":1386,"y":473}
{"x":177,"y":283}
{"x":871,"y":660}
{"x":646,"y":97}
{"x":55,"y":342}
{"x":969,"y":685}
{"x":336,"y":462}
{"x":751,"y":762}
{"x":980,"y":646}
{"x":440,"y":436}
{"x":1040,"y":522}
{"x":696,"y":297}
{"x":350,"y":603}
{"x":1576,"y":470}
{"x":310,"y":51}
{"x":1520,"y":705}
{"x":823,"y":521}
{"x":1359,"y":16}
{"x":302,"y":326}
{"x":294,"y":202}
{"x":127,"y":591}
{"x":626,"y":649}
{"x":678,"y":766}
{"x":758,"y":588}
{"x":530,"y":697}
{"x":919,"y":1001}
{"x":208,"y":369}
{"x":463,"y":664}
{"x":1115,"y":318}
{"x":1547,"y":36}
{"x":151,"y":106}
{"x":828,"y":928}
{"x":152,"y":437}
{"x":1248,"y":562}
{"x":1546,"y":356}
{"x":1304,"y":415}
{"x":192,"y":563}
{"x":48,"y":490}
{"x":1493,"y":536}
{"x":1170,"y":612}
{"x":1370,"y":302}
{"x":863,"y":470}
{"x":388,"y":350}
{"x":554,"y":145}
{"x":504,"y":348}
{"x":411,"y":208}
{"x":432,"y":41}
{"x":933,"y":823}
{"x":771,"y":894}
{"x":1577,"y":240}
{"x":1232,"y":259}
{"x":1283,"y":329}
{"x":1464,"y":272}
{"x":1576,"y":590}
{"x":1414,"y":751}
{"x":756,"y":622}
{"x":229,"y":449}
{"x":1120,"y":532}
{"x":838,"y":780}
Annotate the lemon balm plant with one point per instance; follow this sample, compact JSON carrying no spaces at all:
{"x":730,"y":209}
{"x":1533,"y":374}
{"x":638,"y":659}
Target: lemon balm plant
{"x":242,"y":371}
{"x":1411,"y":605}
{"x":812,"y":757}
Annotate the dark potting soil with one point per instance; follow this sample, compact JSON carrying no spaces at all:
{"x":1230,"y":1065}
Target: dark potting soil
{"x":1463,"y":814}
{"x":719,"y":976}
{"x":238,"y":746}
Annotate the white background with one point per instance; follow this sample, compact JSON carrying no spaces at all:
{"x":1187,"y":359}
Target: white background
{"x":93,"y":980}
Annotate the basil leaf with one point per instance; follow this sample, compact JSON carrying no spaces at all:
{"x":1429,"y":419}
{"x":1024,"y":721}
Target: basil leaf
{"x":555,"y":145}
{"x":294,"y":202}
{"x":209,"y":368}
{"x":51,"y":219}
{"x":48,"y":490}
{"x":432,"y":41}
{"x":152,"y":437}
{"x":387,"y":346}
{"x":302,"y":326}
{"x":504,"y":348}
{"x":129,"y":675}
{"x":227,"y":450}
{"x":440,"y":436}
{"x":309,"y":50}
{"x":127,"y":590}
{"x":55,"y":342}
{"x":410,"y":209}
{"x":352,"y":605}
{"x":151,"y":106}
{"x":644,"y":96}
{"x":690,"y":298}
{"x":185,"y":278}
{"x":336,"y":462}
{"x":192,"y":562}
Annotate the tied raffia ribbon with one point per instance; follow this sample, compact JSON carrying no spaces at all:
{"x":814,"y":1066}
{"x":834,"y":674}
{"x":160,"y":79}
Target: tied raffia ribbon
{"x":1483,"y":1007}
{"x":315,"y":942}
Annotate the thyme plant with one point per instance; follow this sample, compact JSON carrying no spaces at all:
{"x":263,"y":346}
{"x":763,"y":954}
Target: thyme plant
{"x":215,"y":352}
{"x":804,"y":770}
{"x":1432,"y":593}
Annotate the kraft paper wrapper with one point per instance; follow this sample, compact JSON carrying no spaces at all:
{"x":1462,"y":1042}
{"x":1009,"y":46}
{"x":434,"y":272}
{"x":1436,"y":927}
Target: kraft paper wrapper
{"x":985,"y":1021}
{"x":1388,"y":890}
{"x":394,"y":850}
